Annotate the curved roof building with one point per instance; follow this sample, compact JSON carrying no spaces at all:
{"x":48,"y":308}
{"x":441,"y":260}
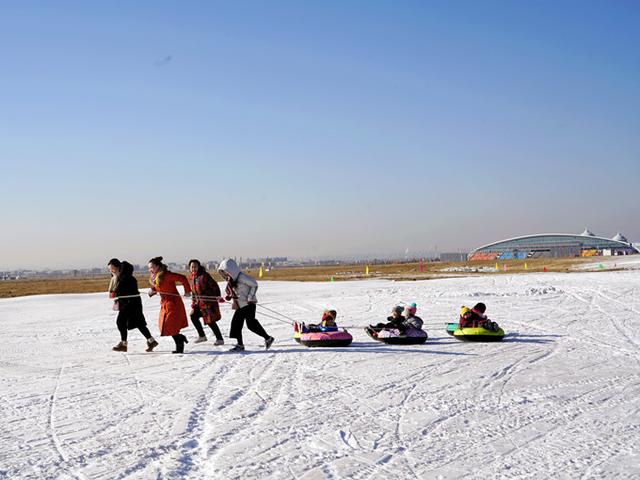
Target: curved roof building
{"x":554,"y":245}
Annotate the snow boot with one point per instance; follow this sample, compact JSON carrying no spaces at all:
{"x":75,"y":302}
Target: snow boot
{"x":237,"y":348}
{"x":180,"y":341}
{"x":268,"y":342}
{"x":121,"y":347}
{"x":151,"y":344}
{"x":218,"y":342}
{"x":200,"y":339}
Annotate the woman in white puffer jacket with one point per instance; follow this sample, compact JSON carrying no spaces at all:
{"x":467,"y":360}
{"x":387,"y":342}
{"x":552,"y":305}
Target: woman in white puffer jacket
{"x":241,"y":289}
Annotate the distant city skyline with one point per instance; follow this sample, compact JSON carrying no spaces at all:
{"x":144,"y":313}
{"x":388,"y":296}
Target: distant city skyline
{"x":406,"y":255}
{"x":325,"y":129}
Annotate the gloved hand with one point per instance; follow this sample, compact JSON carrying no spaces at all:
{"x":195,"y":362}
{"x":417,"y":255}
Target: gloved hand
{"x":152,"y":293}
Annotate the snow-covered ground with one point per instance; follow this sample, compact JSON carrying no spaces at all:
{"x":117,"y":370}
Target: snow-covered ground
{"x":559,"y":398}
{"x":630,"y":262}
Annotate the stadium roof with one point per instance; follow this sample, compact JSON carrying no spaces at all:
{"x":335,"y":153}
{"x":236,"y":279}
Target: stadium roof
{"x":622,"y":244}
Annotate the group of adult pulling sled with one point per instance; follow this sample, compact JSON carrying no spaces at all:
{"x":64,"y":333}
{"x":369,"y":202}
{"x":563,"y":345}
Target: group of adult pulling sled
{"x":403,"y":327}
{"x":205,"y":299}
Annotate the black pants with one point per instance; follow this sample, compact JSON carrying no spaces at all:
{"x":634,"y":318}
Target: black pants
{"x":247,"y":313}
{"x":195,"y":319}
{"x":121,"y":322}
{"x":397,"y":325}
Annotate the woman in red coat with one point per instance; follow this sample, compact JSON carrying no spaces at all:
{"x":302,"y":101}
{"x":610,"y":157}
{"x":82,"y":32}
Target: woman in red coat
{"x":173,"y":316}
{"x":205,"y":295}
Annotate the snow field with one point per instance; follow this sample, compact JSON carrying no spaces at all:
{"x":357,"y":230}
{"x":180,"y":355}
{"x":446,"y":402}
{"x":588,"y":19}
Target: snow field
{"x":559,"y":398}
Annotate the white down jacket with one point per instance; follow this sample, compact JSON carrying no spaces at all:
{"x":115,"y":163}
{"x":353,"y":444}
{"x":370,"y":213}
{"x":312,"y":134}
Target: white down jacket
{"x":244,"y":286}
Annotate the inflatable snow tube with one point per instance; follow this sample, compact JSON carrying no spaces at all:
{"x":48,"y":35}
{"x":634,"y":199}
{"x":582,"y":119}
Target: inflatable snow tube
{"x":333,"y":338}
{"x":452,"y":327}
{"x":300,"y":329}
{"x":392,"y":336}
{"x":478,"y":334}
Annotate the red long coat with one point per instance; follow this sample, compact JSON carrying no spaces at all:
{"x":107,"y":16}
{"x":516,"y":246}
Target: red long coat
{"x":203,"y":285}
{"x":173,"y":316}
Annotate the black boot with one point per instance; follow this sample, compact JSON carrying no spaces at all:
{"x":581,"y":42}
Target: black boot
{"x":180,"y":341}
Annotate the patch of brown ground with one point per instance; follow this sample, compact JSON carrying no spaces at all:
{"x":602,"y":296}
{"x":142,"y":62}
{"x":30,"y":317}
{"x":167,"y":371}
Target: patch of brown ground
{"x":396,"y":271}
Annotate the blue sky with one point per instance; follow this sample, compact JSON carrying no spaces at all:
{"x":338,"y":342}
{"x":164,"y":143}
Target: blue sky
{"x":204,"y":129}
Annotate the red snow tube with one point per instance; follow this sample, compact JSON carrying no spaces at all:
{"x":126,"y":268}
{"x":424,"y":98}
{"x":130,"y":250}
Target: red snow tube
{"x":340,"y":338}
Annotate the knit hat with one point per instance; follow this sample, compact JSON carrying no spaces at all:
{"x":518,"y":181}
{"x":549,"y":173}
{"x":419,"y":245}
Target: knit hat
{"x":412,"y":309}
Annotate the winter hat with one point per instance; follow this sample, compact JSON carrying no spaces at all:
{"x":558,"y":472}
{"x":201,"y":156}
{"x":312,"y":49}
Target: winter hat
{"x":480,"y":307}
{"x":329,"y":314}
{"x":397,"y":310}
{"x":412,"y":309}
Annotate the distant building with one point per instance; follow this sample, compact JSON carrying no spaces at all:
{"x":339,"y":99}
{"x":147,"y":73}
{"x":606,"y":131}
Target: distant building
{"x":453,"y":257}
{"x":554,"y":245}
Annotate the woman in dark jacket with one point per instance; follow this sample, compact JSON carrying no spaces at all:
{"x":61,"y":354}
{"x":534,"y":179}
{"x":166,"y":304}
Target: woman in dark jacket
{"x":205,"y":294}
{"x":124,"y":289}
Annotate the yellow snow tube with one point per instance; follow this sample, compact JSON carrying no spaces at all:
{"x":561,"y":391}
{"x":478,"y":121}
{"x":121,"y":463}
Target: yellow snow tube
{"x":478,"y":334}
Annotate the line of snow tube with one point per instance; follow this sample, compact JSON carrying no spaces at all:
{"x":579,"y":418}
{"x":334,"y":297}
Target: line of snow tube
{"x":478,"y":334}
{"x":400,"y":339}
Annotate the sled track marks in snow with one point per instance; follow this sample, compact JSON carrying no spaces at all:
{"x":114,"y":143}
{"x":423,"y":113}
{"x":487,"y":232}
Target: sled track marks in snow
{"x":52,"y":411}
{"x":221,"y":431}
{"x":52,"y":427}
{"x":141,"y":396}
{"x":576,"y":421}
{"x":618,"y":323}
{"x":196,"y":432}
{"x":567,"y":418}
{"x":557,"y":398}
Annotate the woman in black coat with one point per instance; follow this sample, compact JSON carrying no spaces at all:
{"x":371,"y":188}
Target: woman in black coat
{"x":124,"y":288}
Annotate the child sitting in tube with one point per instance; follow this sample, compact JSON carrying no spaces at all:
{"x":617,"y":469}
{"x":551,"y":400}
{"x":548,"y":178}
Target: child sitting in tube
{"x":396,"y":320}
{"x":327,"y":323}
{"x":475,"y":317}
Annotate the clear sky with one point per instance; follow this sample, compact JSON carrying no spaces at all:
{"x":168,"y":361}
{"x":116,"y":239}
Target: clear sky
{"x":206,"y":129}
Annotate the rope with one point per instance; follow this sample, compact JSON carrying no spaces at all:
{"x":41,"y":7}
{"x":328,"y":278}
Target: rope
{"x":196,"y":296}
{"x":275,"y":318}
{"x":278,"y":313}
{"x":273,"y":315}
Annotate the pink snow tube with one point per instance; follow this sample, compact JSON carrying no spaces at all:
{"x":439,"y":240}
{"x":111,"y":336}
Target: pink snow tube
{"x":341,"y":338}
